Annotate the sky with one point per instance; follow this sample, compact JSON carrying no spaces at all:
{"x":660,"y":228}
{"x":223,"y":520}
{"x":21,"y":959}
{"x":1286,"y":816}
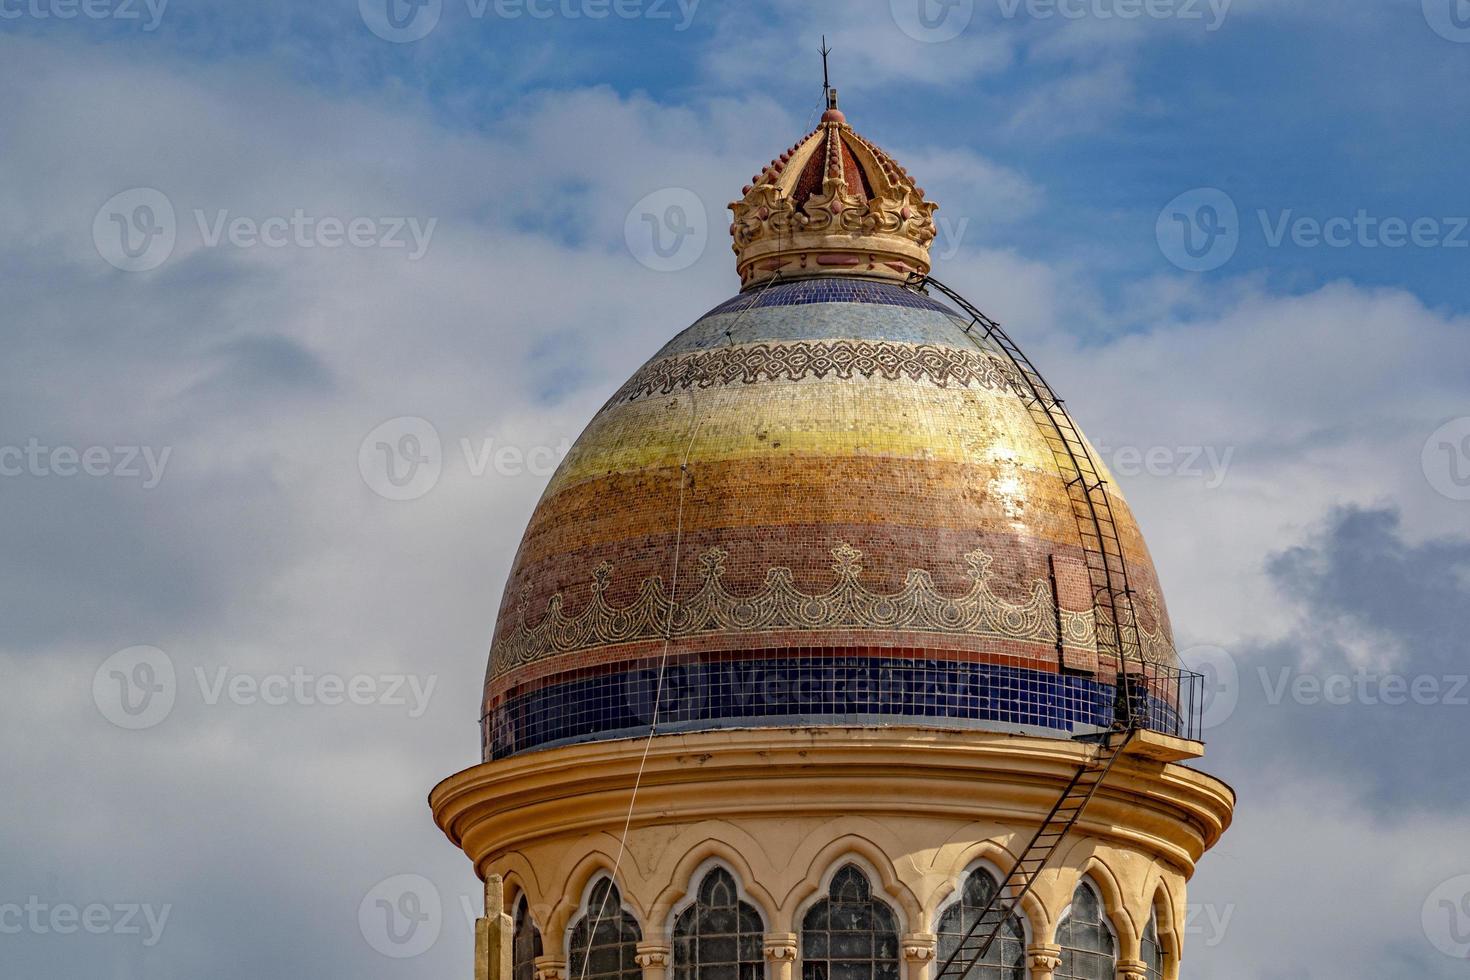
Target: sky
{"x":249,"y":245}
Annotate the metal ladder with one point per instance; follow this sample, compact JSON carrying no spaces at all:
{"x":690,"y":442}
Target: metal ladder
{"x":1007,"y":899}
{"x":1115,"y":618}
{"x":1107,"y":571}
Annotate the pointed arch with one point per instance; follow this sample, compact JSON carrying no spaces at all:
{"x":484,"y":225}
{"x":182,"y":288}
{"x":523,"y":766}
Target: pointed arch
{"x":685,"y":875}
{"x":1006,"y":958}
{"x":857,"y":849}
{"x":1087,"y":937}
{"x":716,"y":934}
{"x":1159,"y":945}
{"x":602,"y":943}
{"x":579,"y":881}
{"x":526,"y":944}
{"x":999,"y":859}
{"x":1115,"y":904}
{"x":850,"y":932}
{"x":520,"y":878}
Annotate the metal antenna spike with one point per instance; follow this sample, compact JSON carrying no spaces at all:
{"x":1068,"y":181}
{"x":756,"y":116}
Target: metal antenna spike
{"x":826,"y":81}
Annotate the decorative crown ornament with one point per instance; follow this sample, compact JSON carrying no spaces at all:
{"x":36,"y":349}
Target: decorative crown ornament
{"x":833,"y":204}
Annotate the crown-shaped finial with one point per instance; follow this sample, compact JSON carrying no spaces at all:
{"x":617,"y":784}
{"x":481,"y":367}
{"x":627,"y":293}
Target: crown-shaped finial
{"x":833,"y":204}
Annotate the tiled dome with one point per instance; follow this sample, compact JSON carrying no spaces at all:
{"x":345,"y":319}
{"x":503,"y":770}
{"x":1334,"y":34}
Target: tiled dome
{"x":855,"y":514}
{"x":822,"y":503}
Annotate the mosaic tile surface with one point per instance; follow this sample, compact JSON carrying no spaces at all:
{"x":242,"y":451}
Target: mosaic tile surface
{"x":823,"y":466}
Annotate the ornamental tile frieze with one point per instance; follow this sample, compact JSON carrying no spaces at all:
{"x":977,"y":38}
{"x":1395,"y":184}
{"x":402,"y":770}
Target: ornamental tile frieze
{"x":918,"y":607}
{"x":845,"y":359}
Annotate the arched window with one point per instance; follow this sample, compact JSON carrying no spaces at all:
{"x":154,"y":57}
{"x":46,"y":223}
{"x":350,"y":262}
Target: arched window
{"x":525,"y":943}
{"x":605,"y":939}
{"x":719,"y":936}
{"x":849,"y":935}
{"x":1006,"y":958}
{"x":1153,"y":950}
{"x":1089,"y":951}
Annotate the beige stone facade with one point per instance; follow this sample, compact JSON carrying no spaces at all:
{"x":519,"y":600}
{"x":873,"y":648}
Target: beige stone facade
{"x":782,"y":809}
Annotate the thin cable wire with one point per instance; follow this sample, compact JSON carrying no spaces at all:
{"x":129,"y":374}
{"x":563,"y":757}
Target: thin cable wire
{"x":658,"y":690}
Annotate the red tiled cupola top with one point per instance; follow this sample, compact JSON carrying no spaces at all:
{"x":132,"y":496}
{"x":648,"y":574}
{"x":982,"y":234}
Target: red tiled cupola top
{"x":834,"y":203}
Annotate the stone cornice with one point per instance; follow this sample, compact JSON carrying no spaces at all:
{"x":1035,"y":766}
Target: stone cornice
{"x":1169,"y":810}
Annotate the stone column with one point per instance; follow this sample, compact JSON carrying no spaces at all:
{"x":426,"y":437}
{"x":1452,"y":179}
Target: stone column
{"x":918,"y":952}
{"x":551,"y":968}
{"x":1132,"y":970}
{"x":654,"y":958}
{"x":1044,"y":959}
{"x":493,"y":934}
{"x":780,"y":949}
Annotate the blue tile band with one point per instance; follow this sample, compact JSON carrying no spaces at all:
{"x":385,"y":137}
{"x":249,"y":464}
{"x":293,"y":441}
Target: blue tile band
{"x":718,"y":693}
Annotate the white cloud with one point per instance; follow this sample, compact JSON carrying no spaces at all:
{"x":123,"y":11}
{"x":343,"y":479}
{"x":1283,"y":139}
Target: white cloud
{"x":264,"y":369}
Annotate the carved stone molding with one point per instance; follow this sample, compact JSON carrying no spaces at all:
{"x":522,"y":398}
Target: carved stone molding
{"x":919,"y":947}
{"x":1132,"y":970}
{"x":1044,"y":959}
{"x":780,"y":946}
{"x":652,"y":954}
